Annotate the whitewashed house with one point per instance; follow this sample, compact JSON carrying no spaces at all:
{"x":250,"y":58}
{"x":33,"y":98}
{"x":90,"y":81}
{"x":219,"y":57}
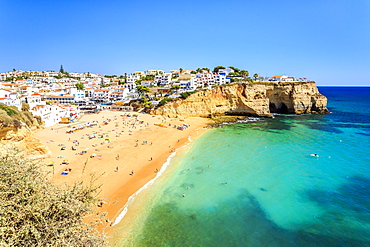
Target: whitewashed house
{"x":163,"y":79}
{"x":10,"y":98}
{"x":132,"y":78}
{"x":281,"y":78}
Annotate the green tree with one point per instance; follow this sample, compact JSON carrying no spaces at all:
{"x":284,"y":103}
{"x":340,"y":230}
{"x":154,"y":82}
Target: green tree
{"x":80,"y":86}
{"x":142,"y":90}
{"x":181,"y":69}
{"x":255,"y":76}
{"x":61,"y":70}
{"x":102,"y":84}
{"x":215,"y":69}
{"x":244,"y":73}
{"x":175,"y":88}
{"x":36,"y":212}
{"x":235,"y":69}
{"x":148,"y":104}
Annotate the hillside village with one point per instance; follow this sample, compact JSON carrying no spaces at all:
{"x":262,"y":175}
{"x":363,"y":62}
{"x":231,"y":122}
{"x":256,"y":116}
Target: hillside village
{"x":61,"y":97}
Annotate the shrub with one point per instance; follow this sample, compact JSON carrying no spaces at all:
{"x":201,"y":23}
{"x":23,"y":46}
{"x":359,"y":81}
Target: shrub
{"x":164,"y":101}
{"x":8,"y":109}
{"x":186,"y":94}
{"x":35,"y":212}
{"x":25,"y":107}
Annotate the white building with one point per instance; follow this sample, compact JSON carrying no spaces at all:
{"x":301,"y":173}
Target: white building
{"x":132,"y":78}
{"x":10,"y":98}
{"x":119,"y":94}
{"x":226,"y":71}
{"x":101,"y":95}
{"x":281,"y":78}
{"x":78,"y":94}
{"x":163,"y":79}
{"x":220,"y":79}
{"x":3,"y":76}
{"x":50,"y":114}
{"x":131,"y":86}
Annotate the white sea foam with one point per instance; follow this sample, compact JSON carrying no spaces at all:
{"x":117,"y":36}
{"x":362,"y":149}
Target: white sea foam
{"x":132,"y":198}
{"x":249,"y":119}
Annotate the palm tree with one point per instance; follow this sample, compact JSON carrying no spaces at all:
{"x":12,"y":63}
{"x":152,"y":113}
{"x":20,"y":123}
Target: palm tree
{"x":255,"y":76}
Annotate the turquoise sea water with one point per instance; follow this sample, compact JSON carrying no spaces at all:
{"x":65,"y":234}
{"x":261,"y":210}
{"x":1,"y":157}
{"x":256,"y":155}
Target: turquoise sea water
{"x":274,"y":192}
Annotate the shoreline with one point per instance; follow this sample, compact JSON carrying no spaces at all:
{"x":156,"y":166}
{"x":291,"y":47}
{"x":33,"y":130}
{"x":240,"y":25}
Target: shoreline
{"x":131,"y":199}
{"x":142,"y":144}
{"x":124,"y":208}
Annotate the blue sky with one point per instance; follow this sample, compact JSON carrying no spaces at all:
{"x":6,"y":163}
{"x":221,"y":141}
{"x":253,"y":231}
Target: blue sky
{"x":323,"y":40}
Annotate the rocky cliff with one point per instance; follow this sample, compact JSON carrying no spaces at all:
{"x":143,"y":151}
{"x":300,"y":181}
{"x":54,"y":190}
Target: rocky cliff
{"x":16,"y":132}
{"x":23,"y":140}
{"x":250,"y":99}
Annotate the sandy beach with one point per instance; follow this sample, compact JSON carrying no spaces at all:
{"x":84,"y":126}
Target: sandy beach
{"x":124,"y":151}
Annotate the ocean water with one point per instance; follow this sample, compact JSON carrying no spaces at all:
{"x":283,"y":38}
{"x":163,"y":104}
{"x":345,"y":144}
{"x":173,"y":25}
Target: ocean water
{"x":255,"y":183}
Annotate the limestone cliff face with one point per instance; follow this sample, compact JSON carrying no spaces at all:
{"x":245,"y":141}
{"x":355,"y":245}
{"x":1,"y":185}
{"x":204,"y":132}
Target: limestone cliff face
{"x":250,"y":99}
{"x":23,"y":140}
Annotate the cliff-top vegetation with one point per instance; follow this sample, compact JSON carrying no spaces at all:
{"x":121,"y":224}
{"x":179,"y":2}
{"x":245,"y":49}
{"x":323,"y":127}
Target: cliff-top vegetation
{"x":10,"y":116}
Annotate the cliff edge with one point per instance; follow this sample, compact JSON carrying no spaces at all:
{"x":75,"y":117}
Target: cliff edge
{"x":16,"y":128}
{"x":249,"y":99}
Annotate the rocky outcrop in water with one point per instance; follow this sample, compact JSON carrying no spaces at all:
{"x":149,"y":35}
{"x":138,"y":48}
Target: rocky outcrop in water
{"x":249,"y":99}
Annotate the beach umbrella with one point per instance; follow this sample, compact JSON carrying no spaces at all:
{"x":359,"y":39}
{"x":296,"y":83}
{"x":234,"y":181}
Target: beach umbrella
{"x":93,"y":154}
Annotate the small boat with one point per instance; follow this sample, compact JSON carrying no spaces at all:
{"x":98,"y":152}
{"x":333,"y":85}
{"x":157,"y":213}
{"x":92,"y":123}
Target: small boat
{"x":314,"y":155}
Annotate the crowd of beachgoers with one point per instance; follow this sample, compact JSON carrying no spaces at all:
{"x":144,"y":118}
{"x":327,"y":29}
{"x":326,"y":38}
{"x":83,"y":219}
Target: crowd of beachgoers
{"x":122,"y":150}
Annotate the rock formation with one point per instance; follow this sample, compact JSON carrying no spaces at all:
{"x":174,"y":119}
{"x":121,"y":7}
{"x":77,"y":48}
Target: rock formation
{"x":16,"y":132}
{"x":249,"y":99}
{"x":23,"y":140}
